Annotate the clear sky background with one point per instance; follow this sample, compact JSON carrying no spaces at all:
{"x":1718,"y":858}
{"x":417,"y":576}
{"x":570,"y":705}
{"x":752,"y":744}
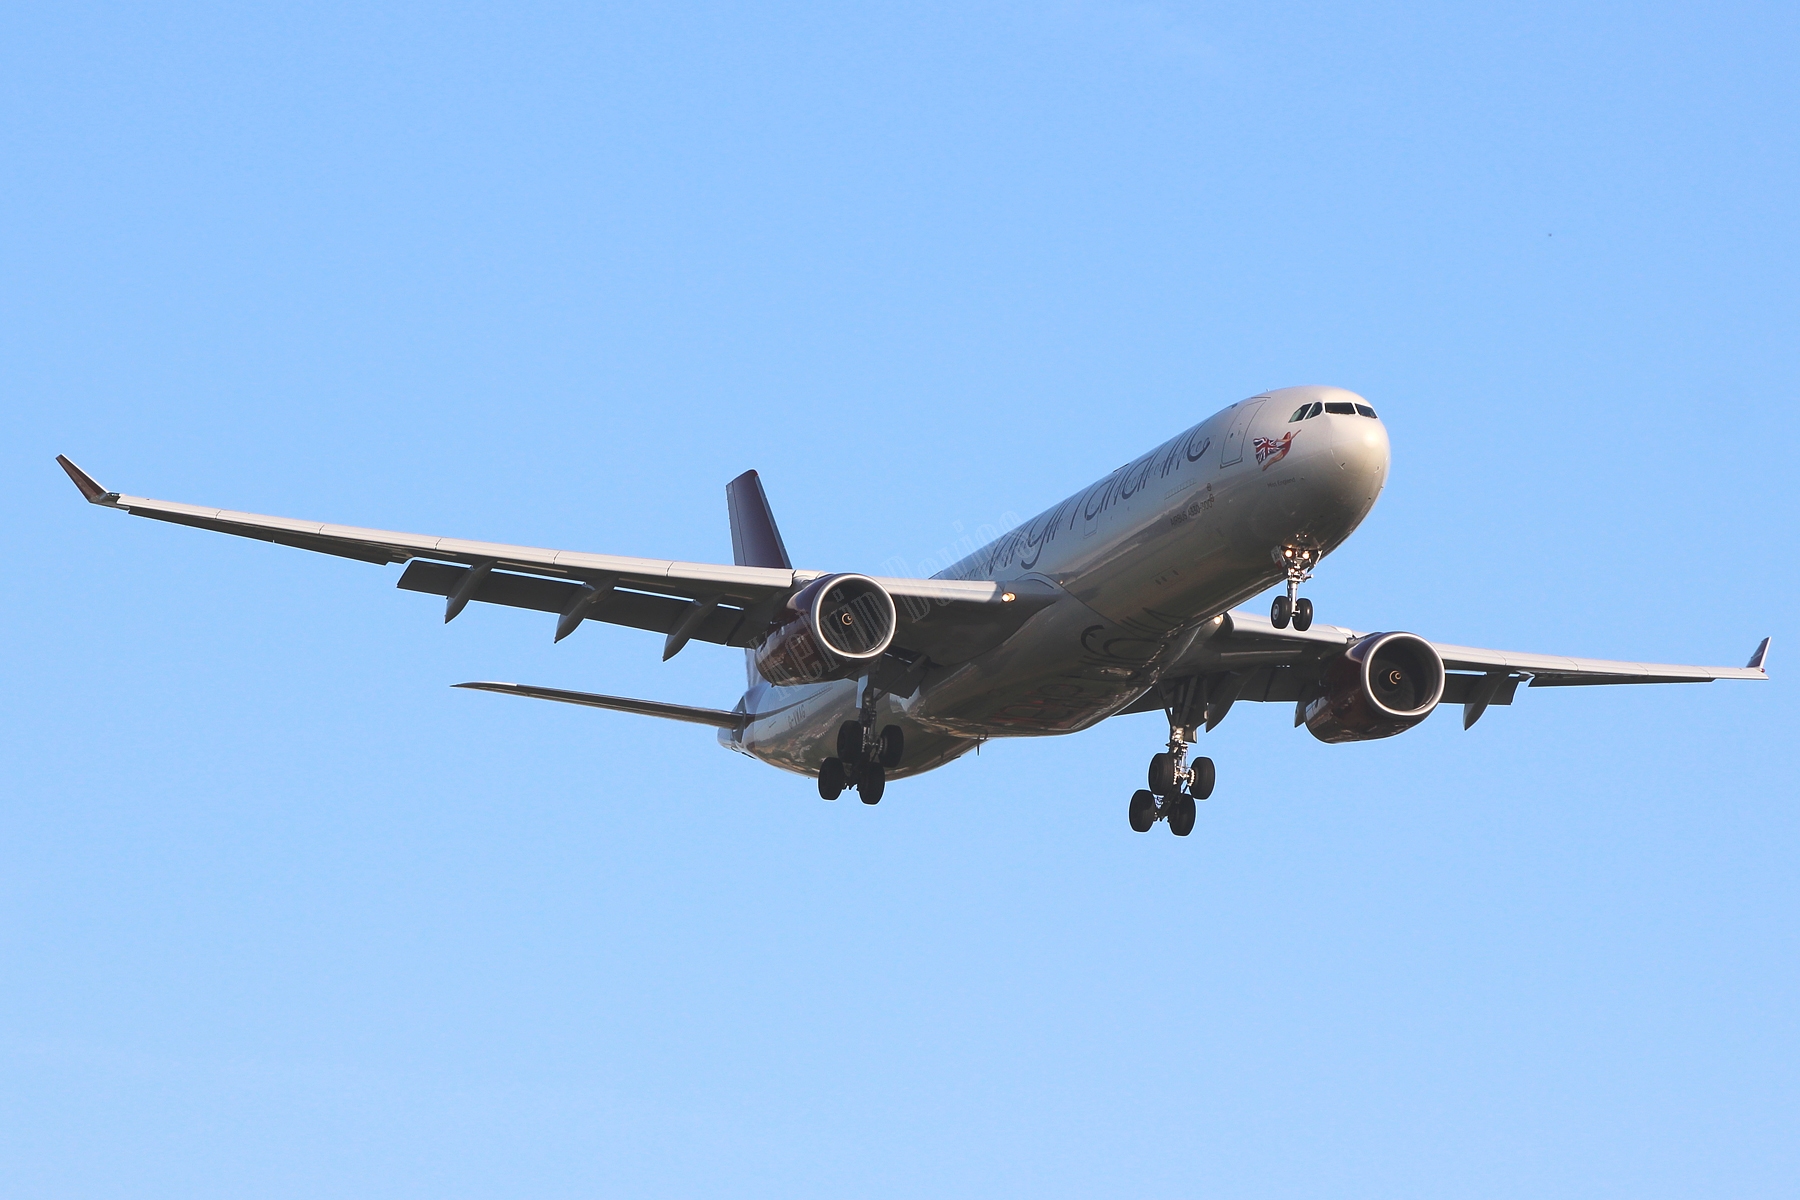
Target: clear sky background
{"x":281,"y":914}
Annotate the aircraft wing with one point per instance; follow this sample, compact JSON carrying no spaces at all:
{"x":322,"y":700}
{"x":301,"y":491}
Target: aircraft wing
{"x":943,"y":620}
{"x":1247,"y":658}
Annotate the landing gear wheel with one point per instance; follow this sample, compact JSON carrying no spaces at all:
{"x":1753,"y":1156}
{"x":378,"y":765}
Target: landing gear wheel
{"x":1302,"y":614}
{"x":1280,"y":611}
{"x":1181,"y":816}
{"x":871,"y":781}
{"x":1142,"y":811}
{"x":831,"y":779}
{"x":893,"y":745}
{"x":1162,"y":774}
{"x":1204,"y":777}
{"x":850,"y":744}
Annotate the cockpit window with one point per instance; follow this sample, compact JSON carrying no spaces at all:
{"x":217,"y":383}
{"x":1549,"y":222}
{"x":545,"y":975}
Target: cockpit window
{"x":1342,"y":408}
{"x":1365,"y":410}
{"x":1316,"y":410}
{"x":1299,"y":414}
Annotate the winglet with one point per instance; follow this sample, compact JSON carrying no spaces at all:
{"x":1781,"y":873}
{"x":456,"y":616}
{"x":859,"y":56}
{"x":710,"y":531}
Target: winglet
{"x":1761,"y":655}
{"x":94,"y":493}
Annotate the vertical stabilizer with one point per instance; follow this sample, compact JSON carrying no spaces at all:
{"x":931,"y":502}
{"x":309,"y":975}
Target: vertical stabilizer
{"x":755,"y":541}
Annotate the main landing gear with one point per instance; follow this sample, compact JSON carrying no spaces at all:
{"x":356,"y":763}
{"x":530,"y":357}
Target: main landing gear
{"x":1175,"y":786}
{"x":864,"y":757}
{"x":1299,"y":562}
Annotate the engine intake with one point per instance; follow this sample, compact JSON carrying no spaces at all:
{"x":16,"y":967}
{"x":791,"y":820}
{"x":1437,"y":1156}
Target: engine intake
{"x":830,"y":629}
{"x":1382,"y":685}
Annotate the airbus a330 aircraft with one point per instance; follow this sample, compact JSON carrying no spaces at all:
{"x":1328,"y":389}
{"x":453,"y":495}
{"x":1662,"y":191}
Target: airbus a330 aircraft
{"x":1118,"y":600}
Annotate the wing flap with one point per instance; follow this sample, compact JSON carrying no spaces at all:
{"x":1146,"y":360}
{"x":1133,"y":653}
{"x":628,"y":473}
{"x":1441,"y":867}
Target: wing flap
{"x":639,"y":610}
{"x":1482,"y":689}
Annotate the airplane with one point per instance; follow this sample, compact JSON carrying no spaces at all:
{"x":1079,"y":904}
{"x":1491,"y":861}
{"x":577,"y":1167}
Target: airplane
{"x":1121,"y":599}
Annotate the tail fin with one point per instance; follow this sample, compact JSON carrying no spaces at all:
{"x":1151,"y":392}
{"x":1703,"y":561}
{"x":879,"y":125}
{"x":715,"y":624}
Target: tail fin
{"x":755,"y":541}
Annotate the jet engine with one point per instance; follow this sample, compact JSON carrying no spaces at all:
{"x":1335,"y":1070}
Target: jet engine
{"x":833,"y":628}
{"x":1382,"y":685}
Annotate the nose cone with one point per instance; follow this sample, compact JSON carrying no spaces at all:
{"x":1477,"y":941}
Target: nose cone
{"x":1359,"y":445}
{"x":1343,"y":449}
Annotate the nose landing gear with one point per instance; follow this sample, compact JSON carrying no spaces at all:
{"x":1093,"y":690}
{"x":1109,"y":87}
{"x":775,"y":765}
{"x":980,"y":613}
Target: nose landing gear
{"x":1298,"y":561}
{"x":1175,"y":786}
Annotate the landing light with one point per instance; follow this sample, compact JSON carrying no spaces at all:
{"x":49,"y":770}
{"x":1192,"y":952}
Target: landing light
{"x":1007,"y":597}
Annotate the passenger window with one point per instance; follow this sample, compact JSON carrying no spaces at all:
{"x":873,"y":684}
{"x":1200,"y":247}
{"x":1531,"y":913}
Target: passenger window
{"x":1365,"y":410}
{"x":1315,"y":411}
{"x":1338,"y":406}
{"x":1299,"y":414}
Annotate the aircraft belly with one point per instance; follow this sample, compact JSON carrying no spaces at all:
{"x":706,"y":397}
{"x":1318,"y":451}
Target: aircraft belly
{"x":1066,"y":670}
{"x":796,"y":729}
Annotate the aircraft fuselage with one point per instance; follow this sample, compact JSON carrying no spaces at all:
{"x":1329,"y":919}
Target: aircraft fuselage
{"x":1141,"y":565}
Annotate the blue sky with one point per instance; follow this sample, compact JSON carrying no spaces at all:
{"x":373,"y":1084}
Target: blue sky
{"x":282,"y":914}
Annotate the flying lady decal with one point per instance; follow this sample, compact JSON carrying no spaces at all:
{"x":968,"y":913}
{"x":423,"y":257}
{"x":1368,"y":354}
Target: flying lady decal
{"x":1270,"y":451}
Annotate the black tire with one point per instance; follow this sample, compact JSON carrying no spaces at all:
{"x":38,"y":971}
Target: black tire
{"x":1280,"y":611}
{"x":831,"y":779}
{"x":1142,"y":812}
{"x":1181,"y":816}
{"x":850,"y":742}
{"x":893,"y":745}
{"x":1303,"y":614}
{"x":1162,"y":774}
{"x":1204,"y":778}
{"x":871,"y":781}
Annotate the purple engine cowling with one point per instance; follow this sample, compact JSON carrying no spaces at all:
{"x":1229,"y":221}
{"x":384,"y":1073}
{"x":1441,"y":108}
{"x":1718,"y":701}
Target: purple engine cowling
{"x":833,"y":628}
{"x":1381,"y":685}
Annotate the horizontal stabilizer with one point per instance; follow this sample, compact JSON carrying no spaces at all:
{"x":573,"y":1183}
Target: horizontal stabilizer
{"x":715,"y":717}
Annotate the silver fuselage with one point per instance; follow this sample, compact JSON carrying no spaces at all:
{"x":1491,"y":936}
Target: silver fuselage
{"x":1140,"y":565}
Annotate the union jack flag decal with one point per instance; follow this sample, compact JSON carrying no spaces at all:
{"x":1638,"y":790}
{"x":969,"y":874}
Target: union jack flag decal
{"x":1273,"y":450}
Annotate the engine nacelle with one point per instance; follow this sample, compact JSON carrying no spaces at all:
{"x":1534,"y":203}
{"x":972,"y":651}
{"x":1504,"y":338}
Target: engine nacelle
{"x":833,"y":628}
{"x":1382,"y":685}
